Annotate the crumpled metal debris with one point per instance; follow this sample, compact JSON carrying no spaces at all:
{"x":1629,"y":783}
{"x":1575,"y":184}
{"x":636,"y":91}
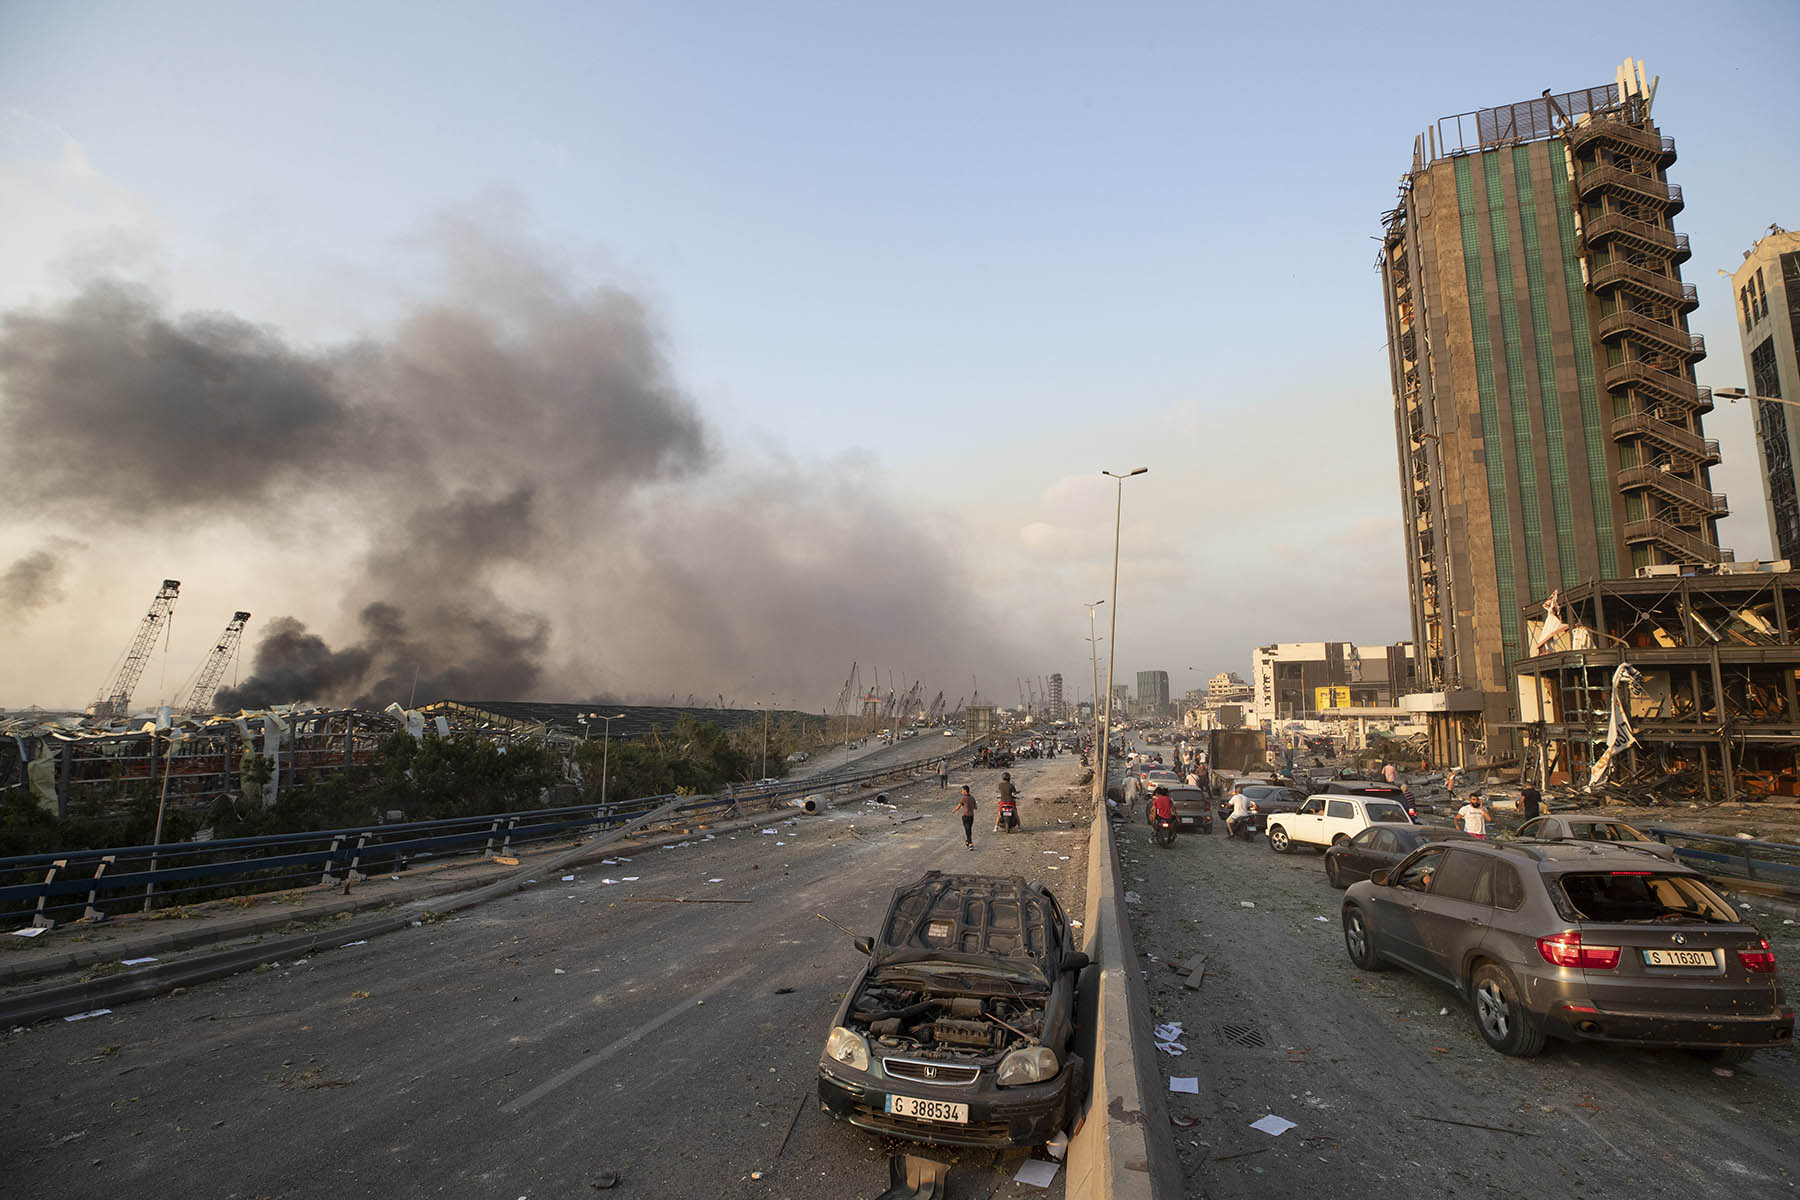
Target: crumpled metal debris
{"x":911,"y":1177}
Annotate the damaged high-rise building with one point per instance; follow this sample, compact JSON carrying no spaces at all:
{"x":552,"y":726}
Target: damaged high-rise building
{"x":1548,"y":423}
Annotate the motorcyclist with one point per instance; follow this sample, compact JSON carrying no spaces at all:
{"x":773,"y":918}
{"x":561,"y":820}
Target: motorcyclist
{"x":1240,"y":812}
{"x":1009,"y":800}
{"x":1161,"y":804}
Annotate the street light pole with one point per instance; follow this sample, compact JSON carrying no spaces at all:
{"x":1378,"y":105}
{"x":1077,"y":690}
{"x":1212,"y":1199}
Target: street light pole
{"x":605,"y":749}
{"x":1112,"y":632}
{"x":1094,"y":658}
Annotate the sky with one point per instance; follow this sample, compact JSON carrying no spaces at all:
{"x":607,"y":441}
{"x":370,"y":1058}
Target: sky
{"x":644,"y":350}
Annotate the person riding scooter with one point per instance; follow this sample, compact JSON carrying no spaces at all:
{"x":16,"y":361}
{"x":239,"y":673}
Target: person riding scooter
{"x":1006,"y":810}
{"x":1162,"y":816}
{"x":1241,"y":808}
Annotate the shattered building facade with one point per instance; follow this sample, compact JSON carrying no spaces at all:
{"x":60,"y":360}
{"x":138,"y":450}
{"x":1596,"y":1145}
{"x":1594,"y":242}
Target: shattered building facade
{"x":1546,"y":417}
{"x":1767,"y":287}
{"x":1704,"y":669}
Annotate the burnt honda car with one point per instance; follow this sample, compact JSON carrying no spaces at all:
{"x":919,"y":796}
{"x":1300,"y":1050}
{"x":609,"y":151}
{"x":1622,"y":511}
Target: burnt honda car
{"x":1574,"y":940}
{"x":959,"y":1030}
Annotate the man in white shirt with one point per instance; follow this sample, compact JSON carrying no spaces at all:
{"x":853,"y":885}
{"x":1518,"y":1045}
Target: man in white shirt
{"x":1240,"y":811}
{"x":1473,"y":817}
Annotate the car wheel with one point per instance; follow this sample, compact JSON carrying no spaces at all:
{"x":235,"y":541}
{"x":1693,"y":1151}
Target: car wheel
{"x":1359,"y":942}
{"x":1503,"y":1022}
{"x":1341,"y":839}
{"x":1278,"y":840}
{"x":1331,"y":875}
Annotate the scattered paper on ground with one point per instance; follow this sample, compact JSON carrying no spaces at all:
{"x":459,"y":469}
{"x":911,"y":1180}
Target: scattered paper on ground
{"x":568,"y":879}
{"x":1169,"y":1031}
{"x":32,"y":932}
{"x":98,"y":1012}
{"x":133,"y":962}
{"x":1185,"y":1083}
{"x":1272,"y":1125}
{"x":1036,"y":1172}
{"x":1133,"y":898}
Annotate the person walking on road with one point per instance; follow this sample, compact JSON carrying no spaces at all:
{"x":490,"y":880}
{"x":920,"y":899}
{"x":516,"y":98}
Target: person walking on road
{"x":1389,"y":772}
{"x":943,"y":772}
{"x":1531,"y":802}
{"x":965,"y":804}
{"x":1473,"y":817}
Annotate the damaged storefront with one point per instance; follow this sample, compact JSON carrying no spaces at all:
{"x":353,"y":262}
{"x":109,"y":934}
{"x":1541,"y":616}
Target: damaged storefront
{"x":1666,"y":687}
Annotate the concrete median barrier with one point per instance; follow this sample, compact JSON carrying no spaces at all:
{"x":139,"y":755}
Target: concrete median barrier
{"x":1122,"y":1148}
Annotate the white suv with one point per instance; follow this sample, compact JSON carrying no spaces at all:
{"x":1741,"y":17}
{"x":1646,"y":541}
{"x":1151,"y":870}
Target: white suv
{"x":1326,"y":820}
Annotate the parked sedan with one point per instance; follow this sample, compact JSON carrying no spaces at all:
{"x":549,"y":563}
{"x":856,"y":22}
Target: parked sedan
{"x":960,"y":1028}
{"x":1380,"y":846}
{"x":1564,"y":827}
{"x":1573,"y":940}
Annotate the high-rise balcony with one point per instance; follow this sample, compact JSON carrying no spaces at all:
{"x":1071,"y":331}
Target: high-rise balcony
{"x":1672,"y":338}
{"x":1681,"y":544}
{"x":1644,"y":283}
{"x":1594,"y":180}
{"x":1683,"y":492}
{"x":1665,"y":386}
{"x":1688,"y":448}
{"x":1655,"y":239}
{"x":1629,"y":138}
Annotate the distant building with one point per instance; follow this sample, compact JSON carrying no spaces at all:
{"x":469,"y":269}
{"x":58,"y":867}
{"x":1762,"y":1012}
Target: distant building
{"x":1767,"y":287}
{"x":1153,"y":692}
{"x":1057,"y":712}
{"x":1304,"y":681}
{"x":1546,"y":416}
{"x":1226,"y":687}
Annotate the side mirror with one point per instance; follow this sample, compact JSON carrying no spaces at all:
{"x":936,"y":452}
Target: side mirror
{"x":1075,"y":962}
{"x":1379,"y":878}
{"x":865,"y":944}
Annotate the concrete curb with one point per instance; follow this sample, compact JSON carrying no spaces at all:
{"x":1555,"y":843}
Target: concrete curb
{"x":1122,"y":1148}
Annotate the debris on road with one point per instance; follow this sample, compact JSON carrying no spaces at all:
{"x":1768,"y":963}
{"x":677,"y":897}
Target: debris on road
{"x":33,"y":931}
{"x":1058,"y":1146}
{"x":133,"y":962}
{"x":682,"y":900}
{"x":1273,"y":1125}
{"x":1246,"y":904}
{"x":911,"y":1177}
{"x":1474,"y":1125}
{"x":1189,"y":1084}
{"x":98,"y":1012}
{"x":1133,"y":898}
{"x":1036,"y":1172}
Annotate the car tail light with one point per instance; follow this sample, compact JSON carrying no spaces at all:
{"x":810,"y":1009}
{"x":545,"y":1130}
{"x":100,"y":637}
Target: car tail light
{"x":1760,"y":961}
{"x":1644,"y":873}
{"x":1566,"y":950}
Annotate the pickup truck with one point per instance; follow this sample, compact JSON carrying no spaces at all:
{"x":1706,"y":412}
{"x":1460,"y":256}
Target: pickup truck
{"x":1326,"y":820}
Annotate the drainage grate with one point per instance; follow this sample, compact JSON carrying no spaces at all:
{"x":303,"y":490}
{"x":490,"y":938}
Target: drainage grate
{"x":1239,"y":1035}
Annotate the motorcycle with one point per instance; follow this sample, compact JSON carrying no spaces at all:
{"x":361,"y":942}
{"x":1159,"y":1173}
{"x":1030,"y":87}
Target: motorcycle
{"x":1242,"y":827}
{"x":1008,"y":818}
{"x":1162,"y":830}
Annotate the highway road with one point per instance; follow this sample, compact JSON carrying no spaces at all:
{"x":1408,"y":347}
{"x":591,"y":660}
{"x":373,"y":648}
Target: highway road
{"x":538,"y":1045}
{"x":1390,"y":1086}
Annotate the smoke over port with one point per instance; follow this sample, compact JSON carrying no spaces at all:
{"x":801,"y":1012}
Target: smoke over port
{"x":533,"y":505}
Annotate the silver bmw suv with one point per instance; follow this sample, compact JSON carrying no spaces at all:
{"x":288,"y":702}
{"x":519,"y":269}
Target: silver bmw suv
{"x":1575,"y":941}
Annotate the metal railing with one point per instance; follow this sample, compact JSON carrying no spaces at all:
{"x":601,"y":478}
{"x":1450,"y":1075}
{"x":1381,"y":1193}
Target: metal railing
{"x":1672,"y":336}
{"x":1655,"y":237}
{"x":92,"y":883}
{"x":1670,"y":484}
{"x":1695,"y":549}
{"x":1649,"y":283}
{"x":1772,"y":868}
{"x":1668,"y":386}
{"x":1704,"y":451}
{"x":1595,"y":178}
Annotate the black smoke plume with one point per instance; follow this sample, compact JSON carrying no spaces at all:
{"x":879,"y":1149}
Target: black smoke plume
{"x":33,"y":580}
{"x":536,"y":507}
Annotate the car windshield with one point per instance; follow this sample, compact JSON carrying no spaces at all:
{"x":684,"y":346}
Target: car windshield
{"x":1387,"y":810}
{"x":1640,"y":897}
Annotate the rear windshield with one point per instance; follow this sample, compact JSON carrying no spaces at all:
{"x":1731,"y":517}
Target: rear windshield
{"x":1388,"y":811}
{"x":1631,"y":897}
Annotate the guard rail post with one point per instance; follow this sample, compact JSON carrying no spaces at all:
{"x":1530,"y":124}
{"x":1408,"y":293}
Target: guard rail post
{"x":353,"y":873}
{"x":326,"y":879}
{"x":93,"y":912}
{"x":38,"y":919}
{"x":506,"y":843}
{"x":487,"y":851}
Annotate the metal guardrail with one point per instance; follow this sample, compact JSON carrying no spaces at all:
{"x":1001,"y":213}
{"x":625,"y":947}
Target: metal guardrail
{"x":1768,"y":867}
{"x":48,"y":887}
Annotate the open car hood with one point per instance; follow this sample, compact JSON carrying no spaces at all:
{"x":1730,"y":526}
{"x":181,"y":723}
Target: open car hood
{"x":996,"y":921}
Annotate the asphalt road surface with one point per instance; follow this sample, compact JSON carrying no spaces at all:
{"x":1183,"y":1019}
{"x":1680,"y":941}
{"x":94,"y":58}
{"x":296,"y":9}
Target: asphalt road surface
{"x":1391,"y":1088}
{"x":535,"y":1045}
